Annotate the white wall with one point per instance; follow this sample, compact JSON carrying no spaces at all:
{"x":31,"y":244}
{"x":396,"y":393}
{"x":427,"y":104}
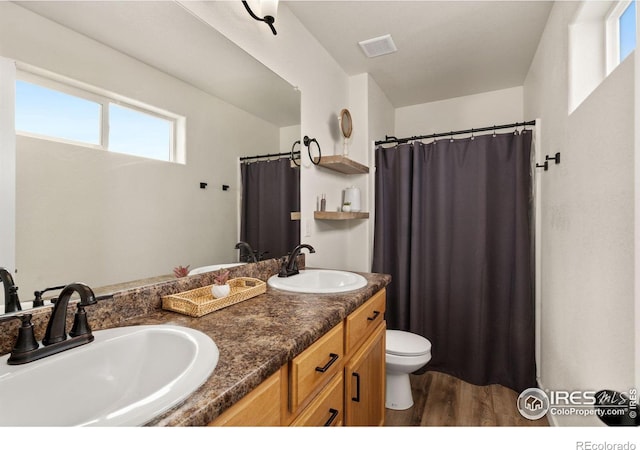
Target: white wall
{"x":587,"y":332}
{"x":7,"y":166}
{"x":373,"y":117}
{"x":461,"y":113}
{"x":296,"y":56}
{"x":101,"y":218}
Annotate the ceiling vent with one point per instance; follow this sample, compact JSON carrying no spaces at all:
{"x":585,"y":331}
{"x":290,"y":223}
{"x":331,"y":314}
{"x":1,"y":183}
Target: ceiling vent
{"x":378,"y":46}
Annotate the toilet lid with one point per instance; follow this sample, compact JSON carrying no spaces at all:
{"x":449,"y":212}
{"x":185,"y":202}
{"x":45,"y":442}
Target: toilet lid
{"x":403,"y":343}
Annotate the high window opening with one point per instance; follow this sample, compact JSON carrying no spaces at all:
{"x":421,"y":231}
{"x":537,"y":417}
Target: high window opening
{"x":601,"y":36}
{"x":627,"y":31}
{"x":620,"y":32}
{"x":63,"y":111}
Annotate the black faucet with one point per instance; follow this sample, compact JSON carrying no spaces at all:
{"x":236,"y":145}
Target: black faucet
{"x":11,"y":301}
{"x":38,"y":301}
{"x":251,"y":256}
{"x":290,"y":266}
{"x":27,"y":349}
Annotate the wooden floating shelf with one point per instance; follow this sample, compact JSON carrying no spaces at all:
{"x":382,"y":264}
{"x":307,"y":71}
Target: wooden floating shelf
{"x":295,"y":215}
{"x":342,"y":164}
{"x":336,"y":215}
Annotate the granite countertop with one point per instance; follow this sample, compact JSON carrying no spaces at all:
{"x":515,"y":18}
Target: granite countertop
{"x":255,"y":338}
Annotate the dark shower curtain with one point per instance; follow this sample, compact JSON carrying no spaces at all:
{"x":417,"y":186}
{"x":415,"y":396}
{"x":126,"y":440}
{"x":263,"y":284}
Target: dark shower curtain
{"x":270,"y":192}
{"x":453,"y":227}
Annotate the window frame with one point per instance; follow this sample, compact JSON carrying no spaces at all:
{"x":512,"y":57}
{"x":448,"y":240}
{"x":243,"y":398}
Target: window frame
{"x":612,"y":30}
{"x":104,"y":98}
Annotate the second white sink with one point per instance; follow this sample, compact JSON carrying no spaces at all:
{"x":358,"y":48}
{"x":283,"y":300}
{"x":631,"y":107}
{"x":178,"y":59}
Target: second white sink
{"x":203,"y":269}
{"x":319,"y":281}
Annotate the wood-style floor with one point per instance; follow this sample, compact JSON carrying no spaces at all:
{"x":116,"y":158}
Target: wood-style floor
{"x":442,"y":400}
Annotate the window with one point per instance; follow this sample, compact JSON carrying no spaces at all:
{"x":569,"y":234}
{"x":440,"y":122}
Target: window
{"x":627,"y":31}
{"x":621,"y":32}
{"x":601,"y":35}
{"x":139,"y":134}
{"x":47,"y":112}
{"x":65,"y":111}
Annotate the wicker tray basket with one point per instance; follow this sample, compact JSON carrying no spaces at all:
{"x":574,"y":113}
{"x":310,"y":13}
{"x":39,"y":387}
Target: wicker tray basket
{"x":198,"y":302}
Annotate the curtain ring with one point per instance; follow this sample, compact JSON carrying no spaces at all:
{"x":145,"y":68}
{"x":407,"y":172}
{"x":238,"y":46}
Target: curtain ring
{"x":435,"y":140}
{"x":293,"y":159}
{"x":472,"y":136}
{"x":494,"y":131}
{"x":307,"y":142}
{"x":451,"y":137}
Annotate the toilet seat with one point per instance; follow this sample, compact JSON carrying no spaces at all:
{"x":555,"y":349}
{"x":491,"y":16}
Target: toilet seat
{"x":403,"y":343}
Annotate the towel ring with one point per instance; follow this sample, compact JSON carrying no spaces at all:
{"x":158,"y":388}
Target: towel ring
{"x":307,"y":142}
{"x":292,"y":157}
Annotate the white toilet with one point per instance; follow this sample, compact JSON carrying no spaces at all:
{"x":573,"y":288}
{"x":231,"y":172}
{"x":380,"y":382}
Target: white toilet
{"x":405,"y":353}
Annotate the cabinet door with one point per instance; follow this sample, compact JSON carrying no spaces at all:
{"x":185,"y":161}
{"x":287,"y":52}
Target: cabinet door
{"x":261,"y":407}
{"x":365,"y":382}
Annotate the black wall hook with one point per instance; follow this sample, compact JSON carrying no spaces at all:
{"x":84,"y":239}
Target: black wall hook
{"x":545,"y":165}
{"x":555,"y":158}
{"x":307,"y":142}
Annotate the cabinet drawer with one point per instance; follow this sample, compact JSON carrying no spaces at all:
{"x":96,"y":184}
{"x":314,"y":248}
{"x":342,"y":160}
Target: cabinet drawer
{"x":313,"y":368}
{"x":327,"y":408}
{"x":365,"y":319}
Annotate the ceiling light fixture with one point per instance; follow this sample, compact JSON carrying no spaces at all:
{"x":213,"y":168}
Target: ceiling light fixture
{"x":378,"y":46}
{"x":269,"y":9}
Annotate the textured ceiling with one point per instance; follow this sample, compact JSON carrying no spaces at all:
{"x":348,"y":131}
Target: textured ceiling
{"x":446,"y":49}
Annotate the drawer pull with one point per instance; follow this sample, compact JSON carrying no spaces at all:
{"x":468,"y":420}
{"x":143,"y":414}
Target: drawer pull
{"x":333,"y":359}
{"x":334,"y":414}
{"x":357,"y":397}
{"x":375,"y":315}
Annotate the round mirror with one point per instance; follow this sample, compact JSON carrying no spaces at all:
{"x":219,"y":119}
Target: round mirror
{"x":345,"y":123}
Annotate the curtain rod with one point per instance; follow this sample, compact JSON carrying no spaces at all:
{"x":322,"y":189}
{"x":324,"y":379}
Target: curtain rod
{"x":395,"y":140}
{"x":269,"y":155}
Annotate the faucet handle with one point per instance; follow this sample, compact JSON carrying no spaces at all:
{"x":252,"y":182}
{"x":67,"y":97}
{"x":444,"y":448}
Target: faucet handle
{"x":80,"y":323}
{"x":26,"y":340}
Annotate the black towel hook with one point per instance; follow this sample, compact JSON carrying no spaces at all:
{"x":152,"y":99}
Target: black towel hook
{"x":555,"y":158}
{"x":307,"y":142}
{"x":545,"y":165}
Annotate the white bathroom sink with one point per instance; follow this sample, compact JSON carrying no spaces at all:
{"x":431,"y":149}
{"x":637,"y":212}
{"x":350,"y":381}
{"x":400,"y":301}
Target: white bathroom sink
{"x":319,"y":281}
{"x":125,"y":377}
{"x":23,"y":305}
{"x":213,"y":267}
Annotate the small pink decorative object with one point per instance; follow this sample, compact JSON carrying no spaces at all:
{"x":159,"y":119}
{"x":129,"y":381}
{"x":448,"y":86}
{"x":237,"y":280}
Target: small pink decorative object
{"x":220,"y":287}
{"x":221,"y":278}
{"x":181,"y":271}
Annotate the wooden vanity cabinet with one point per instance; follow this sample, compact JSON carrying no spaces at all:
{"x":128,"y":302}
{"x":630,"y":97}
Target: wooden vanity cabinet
{"x":338,"y":380}
{"x":365,"y":382}
{"x":364,"y":378}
